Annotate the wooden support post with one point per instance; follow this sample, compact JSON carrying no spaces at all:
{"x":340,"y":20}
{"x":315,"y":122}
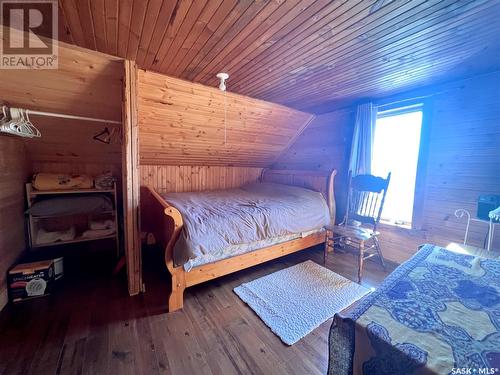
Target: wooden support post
{"x":131,"y":184}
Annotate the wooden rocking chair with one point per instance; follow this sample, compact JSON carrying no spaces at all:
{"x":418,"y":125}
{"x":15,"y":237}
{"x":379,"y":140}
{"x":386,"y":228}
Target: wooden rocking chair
{"x":365,"y":201}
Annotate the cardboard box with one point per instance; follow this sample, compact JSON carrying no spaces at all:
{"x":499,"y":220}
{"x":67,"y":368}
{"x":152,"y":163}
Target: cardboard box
{"x":33,"y":280}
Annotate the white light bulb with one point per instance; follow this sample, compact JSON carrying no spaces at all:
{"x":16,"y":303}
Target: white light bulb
{"x":222,"y":77}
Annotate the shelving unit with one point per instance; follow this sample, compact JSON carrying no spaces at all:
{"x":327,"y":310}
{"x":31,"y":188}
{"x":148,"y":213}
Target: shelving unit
{"x":35,"y":222}
{"x":34,"y":193}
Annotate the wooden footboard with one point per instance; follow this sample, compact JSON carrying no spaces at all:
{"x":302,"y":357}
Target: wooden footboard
{"x":165,"y":222}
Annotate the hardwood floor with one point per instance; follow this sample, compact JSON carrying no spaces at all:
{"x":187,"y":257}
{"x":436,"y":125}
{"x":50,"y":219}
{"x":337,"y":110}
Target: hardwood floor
{"x":91,"y":326}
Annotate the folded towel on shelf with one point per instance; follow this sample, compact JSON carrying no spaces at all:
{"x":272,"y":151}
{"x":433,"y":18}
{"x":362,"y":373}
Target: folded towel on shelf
{"x":71,"y":204}
{"x":101,"y":224}
{"x":44,"y":237}
{"x":104,"y":181}
{"x":54,"y":181}
{"x":98,"y":233}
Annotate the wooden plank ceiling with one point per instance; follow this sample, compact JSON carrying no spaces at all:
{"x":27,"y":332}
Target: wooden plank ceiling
{"x":181,"y":123}
{"x":301,"y":53}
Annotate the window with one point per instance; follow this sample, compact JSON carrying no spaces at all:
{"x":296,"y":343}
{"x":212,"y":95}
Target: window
{"x":395,"y":149}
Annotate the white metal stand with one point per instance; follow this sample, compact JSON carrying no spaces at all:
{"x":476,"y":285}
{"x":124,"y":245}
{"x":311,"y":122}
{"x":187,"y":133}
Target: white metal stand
{"x":491,"y":226}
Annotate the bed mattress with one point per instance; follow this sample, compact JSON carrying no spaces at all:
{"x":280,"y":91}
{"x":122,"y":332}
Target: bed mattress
{"x":220,"y":224}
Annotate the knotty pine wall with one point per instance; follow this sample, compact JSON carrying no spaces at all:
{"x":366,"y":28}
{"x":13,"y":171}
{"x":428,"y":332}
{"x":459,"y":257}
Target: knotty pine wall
{"x":14,"y":170}
{"x":463,"y":160}
{"x":181,"y":135}
{"x":464,"y":155}
{"x":174,"y":178}
{"x":322,"y":146}
{"x":184,"y":123}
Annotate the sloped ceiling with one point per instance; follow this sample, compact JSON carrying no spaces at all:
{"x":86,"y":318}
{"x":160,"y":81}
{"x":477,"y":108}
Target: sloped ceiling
{"x":183,"y":123}
{"x":322,"y":145}
{"x":300,"y":53}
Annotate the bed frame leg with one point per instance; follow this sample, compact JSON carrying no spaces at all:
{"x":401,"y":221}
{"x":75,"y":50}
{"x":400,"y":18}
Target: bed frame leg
{"x":176,"y":299}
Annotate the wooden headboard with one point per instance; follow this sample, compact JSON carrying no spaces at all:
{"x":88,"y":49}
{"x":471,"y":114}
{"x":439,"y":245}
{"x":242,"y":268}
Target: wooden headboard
{"x":321,"y":181}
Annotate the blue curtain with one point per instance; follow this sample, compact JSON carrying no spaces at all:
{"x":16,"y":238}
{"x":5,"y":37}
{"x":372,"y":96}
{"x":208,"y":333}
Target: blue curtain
{"x":362,"y":139}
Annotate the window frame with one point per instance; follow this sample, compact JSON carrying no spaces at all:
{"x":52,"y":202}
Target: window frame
{"x":406,"y":106}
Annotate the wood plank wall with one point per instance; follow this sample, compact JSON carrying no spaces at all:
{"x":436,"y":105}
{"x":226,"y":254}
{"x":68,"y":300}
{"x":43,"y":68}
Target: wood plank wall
{"x":464,"y":160}
{"x":183,"y":123}
{"x":174,"y":178}
{"x":464,"y":154}
{"x":181,"y":135}
{"x":323,"y":145}
{"x":14,"y":171}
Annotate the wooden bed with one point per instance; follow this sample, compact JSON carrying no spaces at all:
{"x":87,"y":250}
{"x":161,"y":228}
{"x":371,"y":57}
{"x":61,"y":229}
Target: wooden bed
{"x":165,"y":222}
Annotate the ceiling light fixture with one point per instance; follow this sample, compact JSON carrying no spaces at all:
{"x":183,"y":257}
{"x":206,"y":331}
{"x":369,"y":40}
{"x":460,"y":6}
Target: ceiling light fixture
{"x":222,"y":77}
{"x":222,"y":87}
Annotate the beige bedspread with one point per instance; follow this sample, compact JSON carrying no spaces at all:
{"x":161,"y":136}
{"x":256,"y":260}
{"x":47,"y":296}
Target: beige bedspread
{"x":222,"y":223}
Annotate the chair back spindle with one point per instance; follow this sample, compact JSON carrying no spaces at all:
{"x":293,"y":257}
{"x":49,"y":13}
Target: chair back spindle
{"x":365,"y":199}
